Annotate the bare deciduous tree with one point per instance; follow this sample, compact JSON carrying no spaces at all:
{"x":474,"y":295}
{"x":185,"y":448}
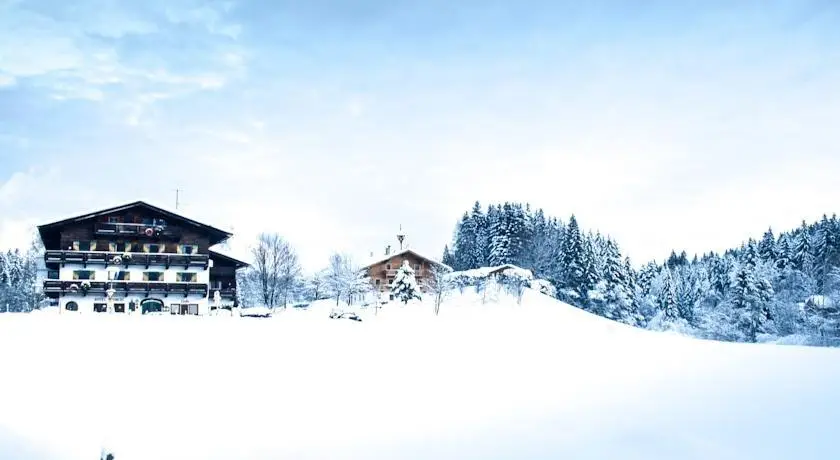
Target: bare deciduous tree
{"x":345,"y":280}
{"x":439,"y":283}
{"x":276,"y":268}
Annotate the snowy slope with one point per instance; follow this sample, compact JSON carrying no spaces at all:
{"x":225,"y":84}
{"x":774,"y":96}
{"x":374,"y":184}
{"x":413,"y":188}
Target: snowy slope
{"x":541,"y":380}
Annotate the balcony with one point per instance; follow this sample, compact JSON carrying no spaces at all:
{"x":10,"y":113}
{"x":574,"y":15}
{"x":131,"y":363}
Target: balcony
{"x":147,"y":260}
{"x":107,"y":228}
{"x":145,"y":288}
{"x":225,"y":293}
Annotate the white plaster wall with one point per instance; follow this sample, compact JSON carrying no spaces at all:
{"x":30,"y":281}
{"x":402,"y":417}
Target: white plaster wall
{"x":86,"y":302}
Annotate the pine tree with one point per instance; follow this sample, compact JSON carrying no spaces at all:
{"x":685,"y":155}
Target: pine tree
{"x":448,"y":258}
{"x":489,"y":222}
{"x":668,"y":297}
{"x":750,"y":253}
{"x":501,"y":239}
{"x":767,"y":246}
{"x":480,"y":248}
{"x":826,"y":250}
{"x":466,"y":240}
{"x":572,"y":260}
{"x":803,"y":251}
{"x":750,"y":300}
{"x":404,"y":287}
{"x":783,"y":251}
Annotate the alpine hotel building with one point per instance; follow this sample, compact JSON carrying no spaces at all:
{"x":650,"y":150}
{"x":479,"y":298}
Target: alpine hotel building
{"x":137,"y":258}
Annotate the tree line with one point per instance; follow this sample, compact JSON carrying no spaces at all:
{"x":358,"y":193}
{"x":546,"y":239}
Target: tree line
{"x":20,"y":283}
{"x":777,"y":286}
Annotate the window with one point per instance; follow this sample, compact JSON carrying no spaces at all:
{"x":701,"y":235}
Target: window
{"x":81,"y":245}
{"x":377,"y":281}
{"x":153,"y":248}
{"x":186,"y":277}
{"x":119,"y":308}
{"x":135,"y":247}
{"x":390,"y":280}
{"x":152,"y":276}
{"x":119,"y":276}
{"x":188,"y":249}
{"x":417,"y":267}
{"x":71,"y":306}
{"x":100,"y":307}
{"x":53,"y":274}
{"x":84,"y":275}
{"x":113,"y":220}
{"x":117,"y":247}
{"x":92,"y":246}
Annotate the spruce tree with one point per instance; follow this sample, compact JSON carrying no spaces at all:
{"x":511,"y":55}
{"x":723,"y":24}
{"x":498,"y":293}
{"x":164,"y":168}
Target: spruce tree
{"x":767,"y":246}
{"x":501,"y":239}
{"x":803,"y":251}
{"x":465,"y":244}
{"x":783,"y":252}
{"x":667,"y":300}
{"x":571,"y":254}
{"x":750,"y":300}
{"x":404,"y":287}
{"x":448,"y":258}
{"x":478,"y":254}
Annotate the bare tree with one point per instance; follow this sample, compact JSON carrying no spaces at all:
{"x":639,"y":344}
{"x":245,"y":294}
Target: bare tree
{"x":275,"y":267}
{"x":345,"y":280}
{"x":439,"y":283}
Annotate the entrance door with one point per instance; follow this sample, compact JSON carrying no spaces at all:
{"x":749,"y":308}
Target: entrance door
{"x":151,"y":306}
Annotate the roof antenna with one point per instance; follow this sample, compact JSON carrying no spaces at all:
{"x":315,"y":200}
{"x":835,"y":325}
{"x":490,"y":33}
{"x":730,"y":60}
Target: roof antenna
{"x":177,"y":198}
{"x":401,"y":237}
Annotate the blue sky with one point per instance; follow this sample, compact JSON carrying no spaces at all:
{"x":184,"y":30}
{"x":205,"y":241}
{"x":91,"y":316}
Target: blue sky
{"x":670,"y":125}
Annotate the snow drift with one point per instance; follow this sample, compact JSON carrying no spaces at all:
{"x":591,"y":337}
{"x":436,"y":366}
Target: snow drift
{"x":489,"y":378}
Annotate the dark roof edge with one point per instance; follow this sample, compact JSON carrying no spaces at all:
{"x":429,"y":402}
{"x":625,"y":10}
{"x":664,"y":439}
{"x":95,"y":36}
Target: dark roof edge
{"x":135,"y":204}
{"x":237,"y":262}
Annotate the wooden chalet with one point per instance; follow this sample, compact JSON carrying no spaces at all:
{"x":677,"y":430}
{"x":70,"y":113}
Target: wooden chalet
{"x":137,"y":258}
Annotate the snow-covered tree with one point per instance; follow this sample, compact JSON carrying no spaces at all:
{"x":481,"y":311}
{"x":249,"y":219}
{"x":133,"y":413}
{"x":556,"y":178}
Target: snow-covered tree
{"x":344,"y":280}
{"x":767,"y":246}
{"x":405,"y":288}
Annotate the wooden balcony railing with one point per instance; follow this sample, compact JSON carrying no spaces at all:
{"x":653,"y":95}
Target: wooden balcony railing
{"x":106,"y":228}
{"x":225,"y":292}
{"x":145,"y":288}
{"x":86,"y":258}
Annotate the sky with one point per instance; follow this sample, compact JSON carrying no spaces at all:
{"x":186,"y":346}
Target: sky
{"x":668,"y":125}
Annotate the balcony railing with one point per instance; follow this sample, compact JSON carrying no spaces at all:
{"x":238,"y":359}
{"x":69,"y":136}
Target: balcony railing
{"x":124,"y":287}
{"x":86,"y":258}
{"x":225,"y":293}
{"x":131,"y":229}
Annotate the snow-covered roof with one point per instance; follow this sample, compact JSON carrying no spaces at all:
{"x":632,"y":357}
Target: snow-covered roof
{"x":384,"y":258}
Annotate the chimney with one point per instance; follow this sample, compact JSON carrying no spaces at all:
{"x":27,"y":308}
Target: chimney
{"x":388,"y":250}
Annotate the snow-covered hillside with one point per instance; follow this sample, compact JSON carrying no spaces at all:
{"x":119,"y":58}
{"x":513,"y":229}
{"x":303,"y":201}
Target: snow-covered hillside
{"x":540,"y":380}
